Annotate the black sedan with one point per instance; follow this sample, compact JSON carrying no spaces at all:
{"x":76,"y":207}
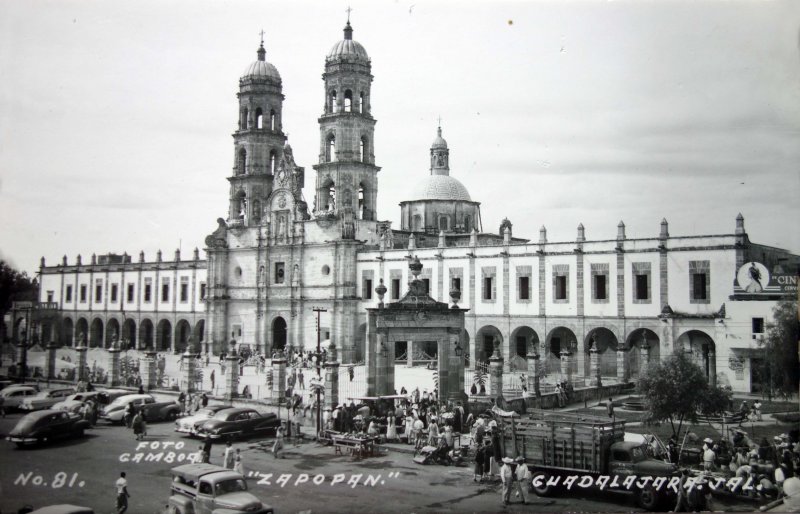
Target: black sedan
{"x":45,"y":425}
{"x":233,"y":423}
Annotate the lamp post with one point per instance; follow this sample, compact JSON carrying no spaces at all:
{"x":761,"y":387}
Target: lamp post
{"x":318,"y":311}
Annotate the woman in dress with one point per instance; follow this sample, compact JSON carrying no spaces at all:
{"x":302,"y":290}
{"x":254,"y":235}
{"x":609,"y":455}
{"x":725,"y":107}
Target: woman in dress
{"x":278,"y":446}
{"x":409,"y":429}
{"x":391,"y":429}
{"x":137,"y":424}
{"x":238,"y":466}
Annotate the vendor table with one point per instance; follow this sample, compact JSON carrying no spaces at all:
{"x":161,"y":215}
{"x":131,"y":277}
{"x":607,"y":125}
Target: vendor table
{"x":357,"y":447}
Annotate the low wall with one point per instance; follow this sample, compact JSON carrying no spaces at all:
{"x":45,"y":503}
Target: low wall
{"x":593,"y":395}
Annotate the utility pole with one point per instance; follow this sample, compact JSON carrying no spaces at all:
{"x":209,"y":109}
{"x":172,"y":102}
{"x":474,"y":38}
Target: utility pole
{"x":319,"y":310}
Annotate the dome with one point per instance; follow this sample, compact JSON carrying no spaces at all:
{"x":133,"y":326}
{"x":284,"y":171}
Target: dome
{"x":441,"y":187}
{"x":261,"y":68}
{"x":347,"y":47}
{"x":439,"y":142}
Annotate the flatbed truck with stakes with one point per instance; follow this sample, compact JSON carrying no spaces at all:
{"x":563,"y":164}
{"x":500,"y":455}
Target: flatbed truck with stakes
{"x":569,"y":451}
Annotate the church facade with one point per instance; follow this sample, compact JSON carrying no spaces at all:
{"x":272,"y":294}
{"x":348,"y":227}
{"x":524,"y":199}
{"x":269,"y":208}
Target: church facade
{"x":274,"y":259}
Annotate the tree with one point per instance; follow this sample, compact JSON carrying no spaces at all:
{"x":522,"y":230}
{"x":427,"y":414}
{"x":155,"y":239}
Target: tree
{"x":677,"y":390}
{"x":13,"y":286}
{"x":782,"y":373}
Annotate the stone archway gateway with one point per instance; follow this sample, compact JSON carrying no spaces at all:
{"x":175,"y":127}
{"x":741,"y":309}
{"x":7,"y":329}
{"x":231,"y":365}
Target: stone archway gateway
{"x":415,"y":317}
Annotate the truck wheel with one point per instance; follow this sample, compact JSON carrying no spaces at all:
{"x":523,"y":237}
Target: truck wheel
{"x":647,"y":498}
{"x":543,"y":489}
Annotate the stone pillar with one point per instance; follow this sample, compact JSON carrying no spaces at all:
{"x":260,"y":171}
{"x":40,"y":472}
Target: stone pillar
{"x":496,"y":371}
{"x":232,"y":376}
{"x":454,"y":387}
{"x":580,"y":356}
{"x":443,"y":366}
{"x":533,"y":372}
{"x":381,"y":367}
{"x":712,"y":368}
{"x":644,"y":360}
{"x":279,"y":377}
{"x":82,"y":369}
{"x":594,"y":367}
{"x":50,"y":362}
{"x":113,"y":363}
{"x":188,"y":380}
{"x":331,"y":381}
{"x":148,"y":368}
{"x":566,"y":373}
{"x":410,"y":354}
{"x":623,"y":369}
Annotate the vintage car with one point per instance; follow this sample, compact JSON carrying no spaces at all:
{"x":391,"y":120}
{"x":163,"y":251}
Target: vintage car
{"x":46,"y":399}
{"x":15,"y":394}
{"x":103,"y":397}
{"x":45,"y":425}
{"x":189,"y":424}
{"x":205,"y":488}
{"x":114,"y":412}
{"x":233,"y":423}
{"x":69,"y":406}
{"x":63,"y":509}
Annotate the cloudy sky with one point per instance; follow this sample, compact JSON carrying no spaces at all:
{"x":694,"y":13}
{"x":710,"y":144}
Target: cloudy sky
{"x":115,"y":117}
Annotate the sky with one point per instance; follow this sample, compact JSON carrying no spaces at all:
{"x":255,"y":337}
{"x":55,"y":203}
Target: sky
{"x":116,"y":117}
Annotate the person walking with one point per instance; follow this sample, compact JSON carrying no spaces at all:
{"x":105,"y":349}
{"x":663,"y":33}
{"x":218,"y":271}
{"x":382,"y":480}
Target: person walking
{"x":610,"y":408}
{"x":122,"y":493}
{"x":130,"y":412}
{"x":212,"y":380}
{"x":523,"y":476}
{"x":237,"y":463}
{"x":757,"y":409}
{"x":137,"y":426}
{"x":204,"y":400}
{"x":507,"y":478}
{"x":480,"y":455}
{"x":278,"y":446}
{"x":182,"y":402}
{"x":228,"y":458}
{"x":207,"y":444}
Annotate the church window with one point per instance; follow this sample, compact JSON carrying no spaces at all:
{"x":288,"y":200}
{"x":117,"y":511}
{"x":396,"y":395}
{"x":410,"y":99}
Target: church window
{"x":280,"y":272}
{"x":457,"y":283}
{"x":361,"y":202}
{"x":256,"y":216}
{"x":243,"y":121}
{"x":184,"y":289}
{"x":130,"y":293}
{"x":488,"y":282}
{"x":83,"y":293}
{"x":148,"y":290}
{"x":362,"y":150}
{"x":395,"y":289}
{"x":272,"y":119}
{"x":641,"y":282}
{"x":467,"y":224}
{"x":241,"y":162}
{"x":272,"y":162}
{"x":524,"y":288}
{"x":560,"y":283}
{"x":114,"y":293}
{"x":599,"y":274}
{"x":699,"y":284}
{"x":68,"y":294}
{"x":348,"y":101}
{"x":98,"y":291}
{"x":165,"y":289}
{"x":361,"y":102}
{"x":259,"y":118}
{"x":332,"y":102}
{"x":330,"y":201}
{"x":50,"y":296}
{"x":330,"y":148}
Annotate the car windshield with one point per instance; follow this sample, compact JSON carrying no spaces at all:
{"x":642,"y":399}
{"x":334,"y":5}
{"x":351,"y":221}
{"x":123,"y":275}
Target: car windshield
{"x":230,"y":486}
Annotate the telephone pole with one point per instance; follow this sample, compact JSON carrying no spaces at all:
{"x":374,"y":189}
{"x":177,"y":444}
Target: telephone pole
{"x":319,"y":310}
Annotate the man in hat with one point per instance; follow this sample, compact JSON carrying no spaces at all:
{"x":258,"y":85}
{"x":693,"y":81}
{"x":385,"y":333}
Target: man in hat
{"x":709,"y":457}
{"x":523,"y":476}
{"x":508,"y":478}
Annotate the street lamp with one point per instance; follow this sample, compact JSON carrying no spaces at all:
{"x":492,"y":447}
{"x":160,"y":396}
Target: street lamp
{"x":319,"y":310}
{"x":458,"y":351}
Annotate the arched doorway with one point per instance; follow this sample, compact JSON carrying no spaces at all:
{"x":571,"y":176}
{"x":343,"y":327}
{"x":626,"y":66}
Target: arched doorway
{"x":701,"y":349}
{"x":200,"y":335}
{"x":484,"y":342}
{"x":465,"y":347}
{"x":559,"y":338}
{"x":67,"y":331}
{"x":164,"y":336}
{"x":279,"y":334}
{"x":606,"y":344}
{"x":128,"y":337}
{"x":182,"y":332}
{"x":522,"y":338}
{"x":82,"y":331}
{"x":112,"y":329}
{"x":96,"y":334}
{"x":635,"y":355}
{"x":146,"y":332}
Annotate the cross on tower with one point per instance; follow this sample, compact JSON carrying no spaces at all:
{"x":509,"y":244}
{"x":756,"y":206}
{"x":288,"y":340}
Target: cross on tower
{"x":262,"y":37}
{"x":349,"y":9}
{"x":440,"y":121}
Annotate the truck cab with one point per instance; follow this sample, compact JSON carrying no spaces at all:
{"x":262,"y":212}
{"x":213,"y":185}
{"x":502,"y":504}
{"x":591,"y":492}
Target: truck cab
{"x":631,"y":458}
{"x":209,"y":489}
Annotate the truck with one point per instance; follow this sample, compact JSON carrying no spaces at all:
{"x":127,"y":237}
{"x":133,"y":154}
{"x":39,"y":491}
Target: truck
{"x":575,"y":451}
{"x":209,"y":489}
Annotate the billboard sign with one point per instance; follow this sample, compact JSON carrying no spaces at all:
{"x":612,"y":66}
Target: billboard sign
{"x":754,"y":278}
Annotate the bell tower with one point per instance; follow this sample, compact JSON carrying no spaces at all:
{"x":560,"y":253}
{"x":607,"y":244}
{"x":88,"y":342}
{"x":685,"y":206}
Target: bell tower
{"x":258,"y":141}
{"x":347,"y":177}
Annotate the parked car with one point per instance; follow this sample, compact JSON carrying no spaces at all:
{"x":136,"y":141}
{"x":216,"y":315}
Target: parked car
{"x":68,"y":406}
{"x":13,"y":395}
{"x":63,"y":509}
{"x":189,"y":424}
{"x":153,"y":410}
{"x":46,"y":399}
{"x":234,"y":423}
{"x":45,"y":425}
{"x":208,"y":488}
{"x":103,"y":397}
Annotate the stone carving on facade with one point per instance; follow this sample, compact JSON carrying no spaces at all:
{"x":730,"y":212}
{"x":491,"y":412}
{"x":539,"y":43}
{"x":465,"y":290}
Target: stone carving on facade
{"x":218,"y":238}
{"x":348,"y":223}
